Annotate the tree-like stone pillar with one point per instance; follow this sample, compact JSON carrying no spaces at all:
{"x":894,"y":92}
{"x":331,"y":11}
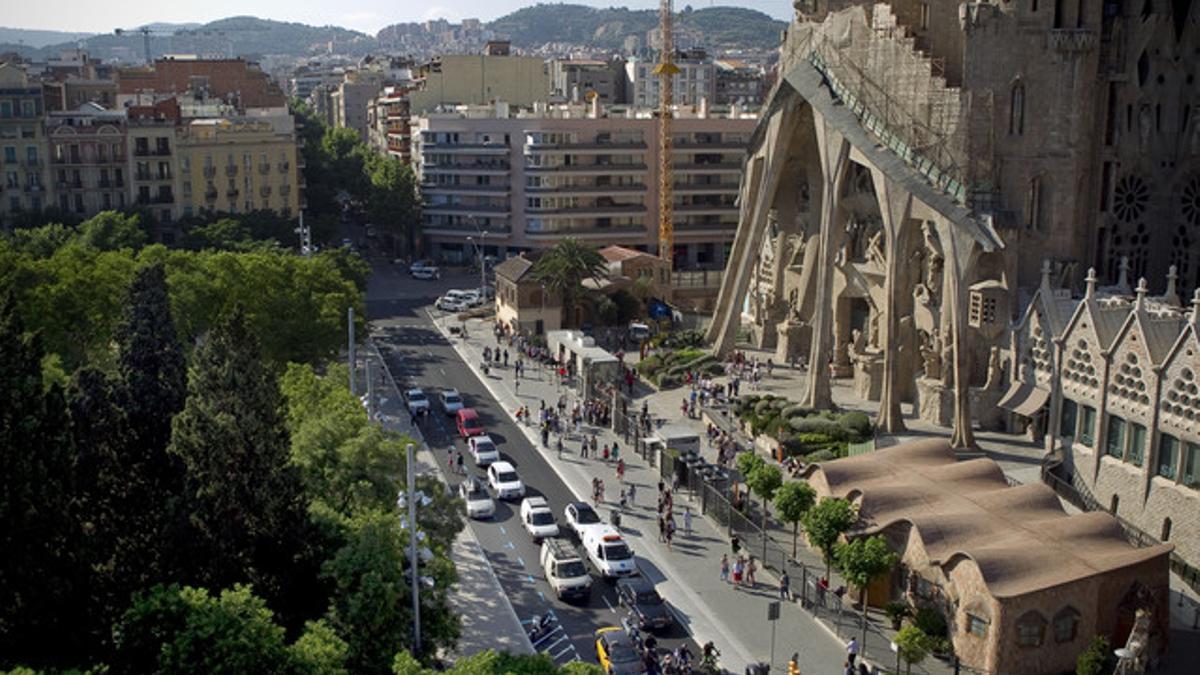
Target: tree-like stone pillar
{"x":961,"y":252}
{"x":895,"y":207}
{"x":834,"y":153}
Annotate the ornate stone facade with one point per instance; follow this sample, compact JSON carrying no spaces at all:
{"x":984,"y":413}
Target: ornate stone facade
{"x":918,"y":160}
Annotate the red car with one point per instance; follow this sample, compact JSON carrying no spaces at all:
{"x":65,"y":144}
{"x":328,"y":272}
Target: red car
{"x":467,"y":421}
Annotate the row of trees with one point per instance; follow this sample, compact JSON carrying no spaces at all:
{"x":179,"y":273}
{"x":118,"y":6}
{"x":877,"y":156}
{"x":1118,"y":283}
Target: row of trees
{"x":343,"y":171}
{"x":181,"y":489}
{"x":70,"y":285}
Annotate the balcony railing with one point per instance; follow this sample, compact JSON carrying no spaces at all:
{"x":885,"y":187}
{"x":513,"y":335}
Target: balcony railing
{"x":151,"y":152}
{"x":210,"y":195}
{"x":264,"y":169}
{"x":210,"y":171}
{"x":284,"y":167}
{"x":231,"y":170}
{"x":264,"y":191}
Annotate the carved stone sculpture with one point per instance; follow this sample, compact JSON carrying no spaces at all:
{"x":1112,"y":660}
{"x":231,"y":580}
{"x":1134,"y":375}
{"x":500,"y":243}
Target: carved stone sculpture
{"x":994,"y":372}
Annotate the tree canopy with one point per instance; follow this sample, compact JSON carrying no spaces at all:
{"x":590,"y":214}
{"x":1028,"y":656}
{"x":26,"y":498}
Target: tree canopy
{"x":564,"y":267}
{"x":792,"y":500}
{"x":826,"y":522}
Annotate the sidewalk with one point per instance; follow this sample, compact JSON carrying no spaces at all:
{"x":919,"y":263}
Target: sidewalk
{"x":734,"y":619}
{"x":488,"y":618}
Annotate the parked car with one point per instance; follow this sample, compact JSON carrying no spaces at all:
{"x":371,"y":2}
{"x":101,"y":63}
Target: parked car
{"x":640,"y":597}
{"x":418,"y":264}
{"x":608,"y":552}
{"x":416,"y":400}
{"x":471,"y":298}
{"x":616,"y":652}
{"x":428,"y":273}
{"x":452,"y":401}
{"x":538,"y":519}
{"x":479,"y":502}
{"x":483,"y":449}
{"x":565,"y":571}
{"x":579,"y":517}
{"x":467,"y":422}
{"x":503,"y":478}
{"x":451,"y":304}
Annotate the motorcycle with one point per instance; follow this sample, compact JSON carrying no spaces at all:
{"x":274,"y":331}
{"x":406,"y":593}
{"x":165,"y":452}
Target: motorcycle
{"x":540,"y":627}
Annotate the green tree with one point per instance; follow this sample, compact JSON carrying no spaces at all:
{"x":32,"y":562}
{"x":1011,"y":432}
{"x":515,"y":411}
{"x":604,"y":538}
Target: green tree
{"x":112,"y":230}
{"x":173,"y":629}
{"x":862,"y":561}
{"x":40,"y":578}
{"x":245,"y":501}
{"x":564,"y":267}
{"x":912,"y":645}
{"x":764,"y":480}
{"x":42,"y":242}
{"x":371,"y":602}
{"x":792,"y":500}
{"x":224,"y":234}
{"x":1097,"y":659}
{"x":319,"y":650}
{"x":393,"y":200}
{"x":826,"y":522}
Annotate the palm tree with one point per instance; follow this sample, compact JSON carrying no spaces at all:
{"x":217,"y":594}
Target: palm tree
{"x":563,"y":268}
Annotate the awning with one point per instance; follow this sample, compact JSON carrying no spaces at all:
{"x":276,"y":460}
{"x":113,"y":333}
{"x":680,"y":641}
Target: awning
{"x":1024,"y":399}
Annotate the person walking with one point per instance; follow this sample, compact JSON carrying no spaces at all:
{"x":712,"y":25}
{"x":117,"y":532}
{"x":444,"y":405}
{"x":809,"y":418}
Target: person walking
{"x":670,"y":532}
{"x":560,"y":447}
{"x":735,"y":544}
{"x":751,"y":568}
{"x":616,"y":452}
{"x":621,"y":470}
{"x":687,"y":520}
{"x":739,"y":566}
{"x":600,"y":484}
{"x":725,"y":567}
{"x":604,"y":455}
{"x":458,"y":460}
{"x":624,"y":499}
{"x":662,"y":528}
{"x":785,"y":592}
{"x":851,"y":651}
{"x":632,"y":494}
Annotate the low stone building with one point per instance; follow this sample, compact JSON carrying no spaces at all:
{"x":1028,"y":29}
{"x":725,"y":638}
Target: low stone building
{"x":1023,"y":585}
{"x":521,"y":301}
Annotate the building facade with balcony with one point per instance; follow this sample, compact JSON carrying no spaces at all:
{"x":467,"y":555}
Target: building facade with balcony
{"x":23,"y":146}
{"x":239,"y":165}
{"x":88,"y":159}
{"x":696,"y":80}
{"x":529,"y":178}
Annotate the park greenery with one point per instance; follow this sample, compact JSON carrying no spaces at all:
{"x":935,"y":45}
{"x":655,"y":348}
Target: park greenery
{"x":912,"y":645}
{"x":863,"y":560}
{"x":189,"y":485}
{"x":666,"y":368}
{"x":814,"y":435}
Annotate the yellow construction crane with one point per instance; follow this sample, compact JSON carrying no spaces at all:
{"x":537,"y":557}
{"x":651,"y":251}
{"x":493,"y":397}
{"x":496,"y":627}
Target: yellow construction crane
{"x":666,"y":70}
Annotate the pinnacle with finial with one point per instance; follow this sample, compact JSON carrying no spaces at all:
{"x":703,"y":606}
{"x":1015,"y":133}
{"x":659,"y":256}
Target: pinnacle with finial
{"x":1141,"y":291}
{"x":1090,"y":280}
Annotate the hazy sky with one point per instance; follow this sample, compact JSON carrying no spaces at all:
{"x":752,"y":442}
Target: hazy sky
{"x":365,"y":15}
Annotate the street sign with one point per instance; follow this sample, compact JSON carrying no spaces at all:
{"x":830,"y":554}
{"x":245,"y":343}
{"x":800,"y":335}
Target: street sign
{"x":773,"y":611}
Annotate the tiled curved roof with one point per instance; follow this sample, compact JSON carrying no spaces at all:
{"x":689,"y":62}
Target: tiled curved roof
{"x":1020,"y":537}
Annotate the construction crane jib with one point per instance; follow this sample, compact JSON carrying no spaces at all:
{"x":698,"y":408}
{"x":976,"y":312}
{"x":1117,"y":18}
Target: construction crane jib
{"x":666,"y":71}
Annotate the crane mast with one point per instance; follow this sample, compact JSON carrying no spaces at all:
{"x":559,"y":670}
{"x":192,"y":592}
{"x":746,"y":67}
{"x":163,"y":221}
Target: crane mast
{"x":666,"y":70}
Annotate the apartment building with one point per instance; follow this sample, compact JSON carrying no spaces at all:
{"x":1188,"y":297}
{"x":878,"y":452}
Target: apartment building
{"x":238,"y":165}
{"x":235,"y":81}
{"x":695,"y":81}
{"x":389,"y":129}
{"x":351,"y":98}
{"x":579,"y":79}
{"x":88,"y":159}
{"x":481,"y":79}
{"x":151,"y":148}
{"x":23,"y":147}
{"x":530,"y":177}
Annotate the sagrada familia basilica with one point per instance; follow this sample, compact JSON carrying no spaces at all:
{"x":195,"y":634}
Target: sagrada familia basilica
{"x":987,"y":215}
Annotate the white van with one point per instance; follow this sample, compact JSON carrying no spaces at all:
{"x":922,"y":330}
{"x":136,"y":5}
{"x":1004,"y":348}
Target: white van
{"x":608,"y":552}
{"x":565,"y":571}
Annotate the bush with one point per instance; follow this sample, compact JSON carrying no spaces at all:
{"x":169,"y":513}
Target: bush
{"x":795,"y":410}
{"x":714,"y":369}
{"x":668,"y":381}
{"x":817,"y":425}
{"x":856,"y":424}
{"x":1096,"y":659}
{"x":820,"y":456}
{"x":762,"y":406}
{"x":931,"y":622}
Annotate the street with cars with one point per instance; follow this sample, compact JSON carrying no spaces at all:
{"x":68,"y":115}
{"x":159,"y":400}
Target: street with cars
{"x":536,"y":533}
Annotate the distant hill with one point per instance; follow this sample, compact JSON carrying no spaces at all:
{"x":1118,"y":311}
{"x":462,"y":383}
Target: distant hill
{"x":37,"y":38}
{"x":717,"y":27}
{"x":235,"y":36}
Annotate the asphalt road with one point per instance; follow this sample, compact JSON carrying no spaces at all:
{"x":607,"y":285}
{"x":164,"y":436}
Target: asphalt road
{"x":419,"y":356}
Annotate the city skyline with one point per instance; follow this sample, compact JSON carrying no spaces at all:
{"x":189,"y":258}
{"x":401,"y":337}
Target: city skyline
{"x":368,"y":16}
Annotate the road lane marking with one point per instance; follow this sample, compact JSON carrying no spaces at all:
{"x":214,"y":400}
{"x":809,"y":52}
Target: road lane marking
{"x":502,"y":530}
{"x":541,"y":596}
{"x":509,"y":545}
{"x":555,"y":644}
{"x":529,"y":577}
{"x":610,"y":607}
{"x":570,"y":648}
{"x":520,"y":561}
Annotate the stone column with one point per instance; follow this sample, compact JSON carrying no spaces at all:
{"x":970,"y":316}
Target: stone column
{"x":895,"y":207}
{"x":757,"y":193}
{"x":960,"y":254}
{"x":834,"y":153}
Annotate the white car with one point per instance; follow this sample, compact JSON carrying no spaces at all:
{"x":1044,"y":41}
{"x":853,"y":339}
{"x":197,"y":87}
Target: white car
{"x":580,"y":517}
{"x":448,"y":305}
{"x":471,"y":298}
{"x":419,"y":264}
{"x":483,"y":449}
{"x":538,"y":519}
{"x":452,"y":401}
{"x":503,"y":478}
{"x":479,"y":502}
{"x":417,"y":400}
{"x":426,"y":273}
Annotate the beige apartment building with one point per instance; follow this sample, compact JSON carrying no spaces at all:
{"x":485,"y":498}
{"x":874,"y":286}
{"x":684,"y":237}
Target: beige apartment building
{"x":528,"y":178}
{"x":238,"y":165}
{"x":480,"y":79}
